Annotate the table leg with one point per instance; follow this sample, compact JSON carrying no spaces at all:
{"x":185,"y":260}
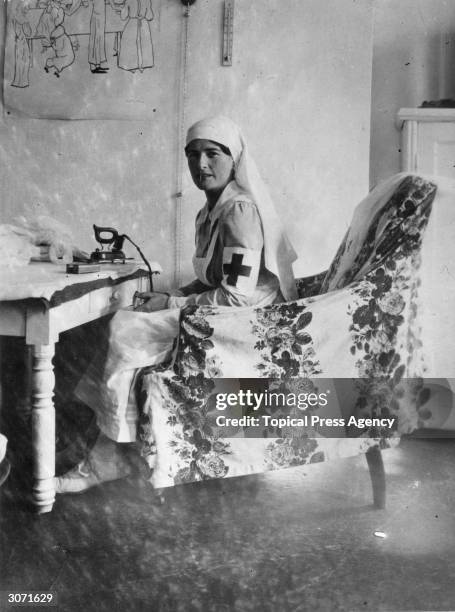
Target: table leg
{"x":24,"y":402}
{"x":43,"y":427}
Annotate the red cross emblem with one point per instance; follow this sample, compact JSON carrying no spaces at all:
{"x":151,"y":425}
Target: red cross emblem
{"x":235,"y":268}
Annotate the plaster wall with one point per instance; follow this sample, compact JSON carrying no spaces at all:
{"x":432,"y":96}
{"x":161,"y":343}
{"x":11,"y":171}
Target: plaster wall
{"x":299,"y":87}
{"x":413,"y":61}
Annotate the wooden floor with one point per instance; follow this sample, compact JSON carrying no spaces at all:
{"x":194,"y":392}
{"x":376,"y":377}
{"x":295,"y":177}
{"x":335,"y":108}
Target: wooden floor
{"x":302,"y":539}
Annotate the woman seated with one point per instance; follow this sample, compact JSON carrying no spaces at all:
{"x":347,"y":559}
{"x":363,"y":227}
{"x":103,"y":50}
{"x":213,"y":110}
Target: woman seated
{"x":242,"y":258}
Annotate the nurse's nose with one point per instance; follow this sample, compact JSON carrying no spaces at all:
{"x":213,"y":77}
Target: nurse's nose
{"x":203,"y":161}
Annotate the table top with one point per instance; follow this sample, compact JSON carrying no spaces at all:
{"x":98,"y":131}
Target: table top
{"x":48,"y":281}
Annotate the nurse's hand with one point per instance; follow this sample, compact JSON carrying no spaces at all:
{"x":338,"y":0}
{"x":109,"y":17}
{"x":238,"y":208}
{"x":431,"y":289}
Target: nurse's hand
{"x":154,"y":301}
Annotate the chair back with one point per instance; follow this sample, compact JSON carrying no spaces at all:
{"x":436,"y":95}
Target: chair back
{"x":390,"y":220}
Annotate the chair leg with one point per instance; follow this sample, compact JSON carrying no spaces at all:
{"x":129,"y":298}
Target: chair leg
{"x":377,"y":475}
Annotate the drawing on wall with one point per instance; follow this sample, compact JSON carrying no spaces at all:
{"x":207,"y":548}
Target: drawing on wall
{"x":51,"y":28}
{"x":55,"y":35}
{"x":136,"y":45}
{"x":22,"y":32}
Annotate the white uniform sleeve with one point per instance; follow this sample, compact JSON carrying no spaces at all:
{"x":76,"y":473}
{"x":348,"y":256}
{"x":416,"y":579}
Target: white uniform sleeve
{"x":241,"y":239}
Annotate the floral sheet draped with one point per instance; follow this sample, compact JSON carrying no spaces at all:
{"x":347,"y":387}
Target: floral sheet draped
{"x":367,"y":334}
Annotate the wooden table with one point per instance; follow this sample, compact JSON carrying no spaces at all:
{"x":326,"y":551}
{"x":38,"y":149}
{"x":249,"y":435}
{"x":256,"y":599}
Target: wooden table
{"x":40,"y":301}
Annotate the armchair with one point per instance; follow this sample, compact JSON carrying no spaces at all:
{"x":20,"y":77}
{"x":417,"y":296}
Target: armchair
{"x":363,"y":333}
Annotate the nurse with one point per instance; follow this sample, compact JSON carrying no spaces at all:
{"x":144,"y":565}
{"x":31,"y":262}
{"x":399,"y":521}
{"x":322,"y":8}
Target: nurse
{"x":242,"y":258}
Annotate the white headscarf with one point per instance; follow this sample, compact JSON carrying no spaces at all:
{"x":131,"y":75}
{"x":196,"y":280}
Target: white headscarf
{"x":278,"y":251}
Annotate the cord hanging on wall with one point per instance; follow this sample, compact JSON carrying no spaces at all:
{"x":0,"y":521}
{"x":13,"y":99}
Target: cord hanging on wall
{"x":228,"y":33}
{"x":182,"y":95}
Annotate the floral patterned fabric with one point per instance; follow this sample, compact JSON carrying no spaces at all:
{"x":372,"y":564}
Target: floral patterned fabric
{"x":310,"y":285}
{"x":358,"y":335}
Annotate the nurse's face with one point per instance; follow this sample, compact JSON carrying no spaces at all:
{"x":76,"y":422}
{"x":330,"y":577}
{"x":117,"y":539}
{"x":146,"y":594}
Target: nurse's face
{"x":210,"y":167}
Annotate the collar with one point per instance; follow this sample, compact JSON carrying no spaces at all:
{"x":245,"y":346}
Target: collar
{"x":229,"y":192}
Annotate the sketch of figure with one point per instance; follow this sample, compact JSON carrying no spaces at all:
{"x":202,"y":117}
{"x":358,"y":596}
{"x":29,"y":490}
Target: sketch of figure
{"x":45,"y":24}
{"x":51,"y":29}
{"x":61,"y":46}
{"x":22,"y":30}
{"x":97,"y":45}
{"x":136,"y":46}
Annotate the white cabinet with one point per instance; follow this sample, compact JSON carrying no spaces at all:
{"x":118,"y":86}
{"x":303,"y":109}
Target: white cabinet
{"x":428,"y":140}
